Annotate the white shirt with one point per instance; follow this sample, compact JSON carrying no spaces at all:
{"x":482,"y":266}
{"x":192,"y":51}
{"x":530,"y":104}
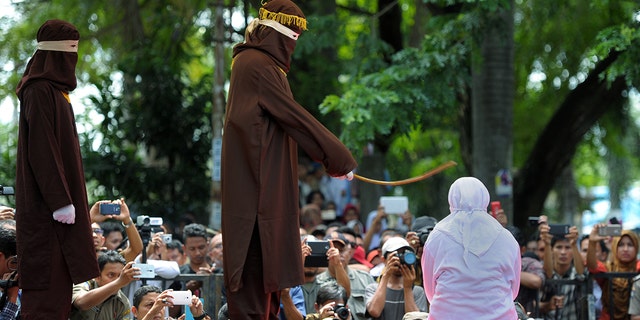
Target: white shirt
{"x":483,"y":288}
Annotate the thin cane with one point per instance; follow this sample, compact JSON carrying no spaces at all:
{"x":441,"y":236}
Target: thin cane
{"x":425,"y":175}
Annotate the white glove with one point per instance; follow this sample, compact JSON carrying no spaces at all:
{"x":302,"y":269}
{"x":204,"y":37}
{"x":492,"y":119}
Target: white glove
{"x":348,"y":176}
{"x":66,"y":214}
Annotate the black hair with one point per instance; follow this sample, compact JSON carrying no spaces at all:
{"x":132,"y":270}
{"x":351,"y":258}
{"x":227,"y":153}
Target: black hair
{"x":331,"y":291}
{"x":309,"y":198}
{"x":175,"y":244}
{"x":111,"y":226}
{"x":194,"y":230}
{"x":603,"y":245}
{"x":7,"y":242}
{"x":556,"y":238}
{"x":110,"y":256}
{"x":7,"y":222}
{"x":143,"y":291}
{"x":347,"y":230}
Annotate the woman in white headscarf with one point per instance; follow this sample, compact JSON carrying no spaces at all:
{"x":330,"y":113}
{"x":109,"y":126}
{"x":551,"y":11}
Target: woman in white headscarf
{"x":471,"y":264}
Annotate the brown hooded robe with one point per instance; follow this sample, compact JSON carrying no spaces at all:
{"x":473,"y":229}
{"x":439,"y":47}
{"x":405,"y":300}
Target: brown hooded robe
{"x":50,"y":175}
{"x":263,"y":127}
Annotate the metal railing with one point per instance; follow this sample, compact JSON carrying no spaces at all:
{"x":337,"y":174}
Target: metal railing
{"x":612,"y":275}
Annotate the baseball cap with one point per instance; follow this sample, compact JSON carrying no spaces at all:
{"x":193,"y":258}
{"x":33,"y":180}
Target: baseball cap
{"x":422,"y":222}
{"x":358,"y":255}
{"x":337,"y":237}
{"x":372,"y":254}
{"x":394,"y":244}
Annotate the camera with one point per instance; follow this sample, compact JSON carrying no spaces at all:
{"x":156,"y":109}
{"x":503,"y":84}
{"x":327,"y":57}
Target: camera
{"x":534,"y":221}
{"x":559,"y":229}
{"x":6,"y":191}
{"x":423,"y":227}
{"x":166,"y":238}
{"x":423,"y":234}
{"x":610,"y":230}
{"x":341,"y":311}
{"x":149,"y":221}
{"x":109,"y":209}
{"x":407,"y":257}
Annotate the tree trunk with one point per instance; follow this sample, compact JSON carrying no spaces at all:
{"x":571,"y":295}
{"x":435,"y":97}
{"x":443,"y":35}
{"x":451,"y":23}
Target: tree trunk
{"x":217,"y":115}
{"x":492,"y":103}
{"x":389,"y":23}
{"x":557,"y":143}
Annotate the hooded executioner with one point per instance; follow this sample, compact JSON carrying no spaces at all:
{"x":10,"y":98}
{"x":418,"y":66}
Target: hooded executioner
{"x":263,"y":128}
{"x":54,"y":240}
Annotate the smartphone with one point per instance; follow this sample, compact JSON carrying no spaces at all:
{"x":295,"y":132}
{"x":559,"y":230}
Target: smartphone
{"x":109,"y":208}
{"x":318,"y":257}
{"x":610,"y":230}
{"x":395,"y":205}
{"x":147,"y":271}
{"x":495,"y":207}
{"x":181,"y":298}
{"x":166,"y":238}
{"x":559,"y":229}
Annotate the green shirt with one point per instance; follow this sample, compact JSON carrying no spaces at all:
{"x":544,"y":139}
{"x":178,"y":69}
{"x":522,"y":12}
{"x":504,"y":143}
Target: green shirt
{"x":116,"y":307}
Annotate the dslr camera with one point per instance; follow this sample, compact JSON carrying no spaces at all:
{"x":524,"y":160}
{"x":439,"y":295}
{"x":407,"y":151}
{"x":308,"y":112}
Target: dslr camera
{"x":408,"y":257}
{"x":423,"y":227}
{"x":423,"y":234}
{"x":341,"y":311}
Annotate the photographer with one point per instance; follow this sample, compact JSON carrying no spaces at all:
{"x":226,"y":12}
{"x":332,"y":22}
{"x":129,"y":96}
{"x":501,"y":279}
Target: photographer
{"x":149,"y":303}
{"x":330,"y":303}
{"x":8,"y":266}
{"x":396,"y":295}
{"x":417,"y":237}
{"x":124,"y":217}
{"x":562,"y":261}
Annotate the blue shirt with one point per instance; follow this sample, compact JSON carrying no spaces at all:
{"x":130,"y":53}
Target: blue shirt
{"x":298,"y":300}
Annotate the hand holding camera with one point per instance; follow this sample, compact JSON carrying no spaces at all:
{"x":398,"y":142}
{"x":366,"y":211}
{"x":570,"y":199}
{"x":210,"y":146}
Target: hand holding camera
{"x":107,"y":209}
{"x":333,"y":310}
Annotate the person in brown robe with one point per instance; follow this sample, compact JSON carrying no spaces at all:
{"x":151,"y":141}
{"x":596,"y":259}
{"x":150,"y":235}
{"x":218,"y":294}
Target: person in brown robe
{"x":263,"y":127}
{"x":54,"y":240}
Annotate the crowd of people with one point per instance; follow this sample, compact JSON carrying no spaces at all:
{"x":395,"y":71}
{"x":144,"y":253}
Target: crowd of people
{"x":372,"y":271}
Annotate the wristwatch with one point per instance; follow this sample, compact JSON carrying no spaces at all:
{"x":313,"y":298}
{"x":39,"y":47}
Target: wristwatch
{"x":200,"y":317}
{"x":126,"y":226}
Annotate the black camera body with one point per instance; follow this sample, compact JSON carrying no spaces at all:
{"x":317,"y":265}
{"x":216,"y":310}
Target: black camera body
{"x":423,"y":234}
{"x":407,"y":257}
{"x":341,"y":311}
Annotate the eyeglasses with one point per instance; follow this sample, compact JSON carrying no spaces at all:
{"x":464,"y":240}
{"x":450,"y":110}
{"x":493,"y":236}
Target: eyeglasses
{"x":98,"y":231}
{"x":12,"y":263}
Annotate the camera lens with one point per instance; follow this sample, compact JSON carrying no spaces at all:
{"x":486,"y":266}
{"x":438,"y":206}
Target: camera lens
{"x":341,"y":311}
{"x":408,"y":258}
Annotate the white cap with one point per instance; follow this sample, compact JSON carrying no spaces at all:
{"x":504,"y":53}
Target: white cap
{"x":393,"y":244}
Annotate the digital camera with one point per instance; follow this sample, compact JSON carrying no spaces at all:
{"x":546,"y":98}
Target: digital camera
{"x":149,"y":221}
{"x":407,"y":257}
{"x":341,"y":311}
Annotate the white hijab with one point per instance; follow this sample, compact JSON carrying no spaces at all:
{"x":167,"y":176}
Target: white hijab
{"x":469,"y":224}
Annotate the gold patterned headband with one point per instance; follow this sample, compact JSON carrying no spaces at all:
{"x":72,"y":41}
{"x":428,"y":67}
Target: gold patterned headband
{"x":283,"y":18}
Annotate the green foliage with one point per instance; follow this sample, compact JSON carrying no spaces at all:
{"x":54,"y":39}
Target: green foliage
{"x":8,"y":150}
{"x":417,"y":89}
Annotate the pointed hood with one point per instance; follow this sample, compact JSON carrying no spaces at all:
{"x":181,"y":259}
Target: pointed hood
{"x":58,"y":67}
{"x":268,"y":40}
{"x":469,"y":223}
